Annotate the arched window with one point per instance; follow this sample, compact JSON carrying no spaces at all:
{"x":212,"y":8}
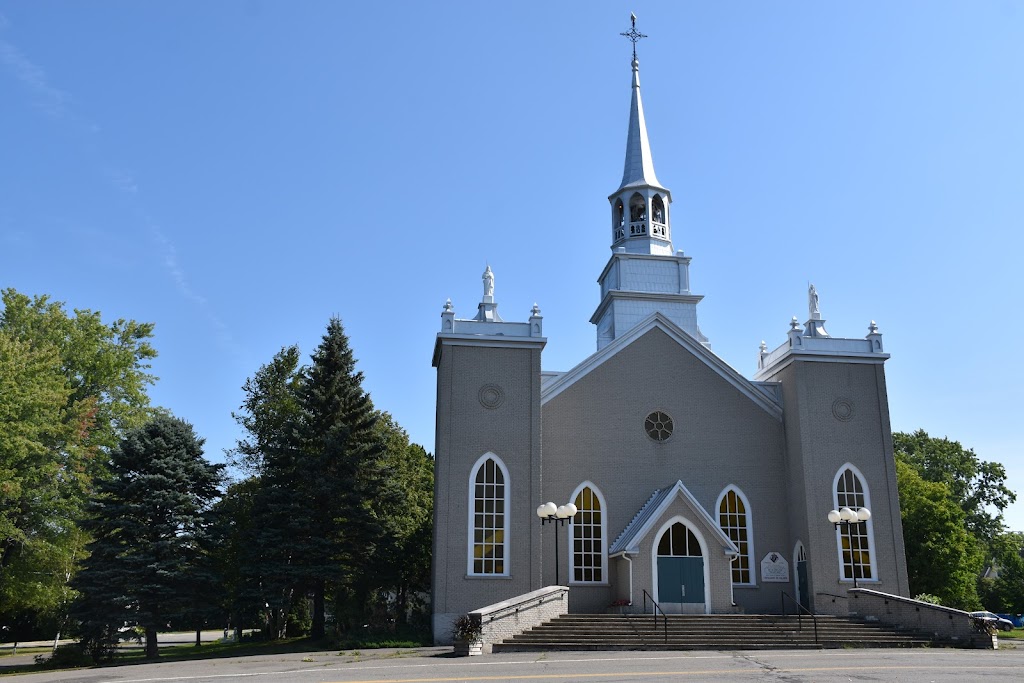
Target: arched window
{"x":854,"y":540}
{"x":657,"y":209}
{"x":488,"y":518}
{"x":734,"y":518}
{"x":637,"y":208}
{"x":587,"y":534}
{"x":679,"y":541}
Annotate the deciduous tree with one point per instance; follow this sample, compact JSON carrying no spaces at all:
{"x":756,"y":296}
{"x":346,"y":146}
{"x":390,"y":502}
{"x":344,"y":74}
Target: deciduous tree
{"x":977,"y":486}
{"x":942,"y":558}
{"x":69,"y":387}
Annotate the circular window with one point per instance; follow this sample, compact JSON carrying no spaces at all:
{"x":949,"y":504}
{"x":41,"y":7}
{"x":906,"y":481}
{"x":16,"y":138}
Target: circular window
{"x":658,"y":426}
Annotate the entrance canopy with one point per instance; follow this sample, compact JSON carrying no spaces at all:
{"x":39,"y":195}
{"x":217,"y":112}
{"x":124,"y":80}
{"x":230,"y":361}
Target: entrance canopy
{"x":647,"y":519}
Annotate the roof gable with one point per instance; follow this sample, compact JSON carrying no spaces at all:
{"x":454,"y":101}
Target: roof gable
{"x":674,"y":332}
{"x":647,"y":517}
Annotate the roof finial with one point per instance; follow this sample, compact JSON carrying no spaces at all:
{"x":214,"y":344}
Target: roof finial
{"x":633,"y":34}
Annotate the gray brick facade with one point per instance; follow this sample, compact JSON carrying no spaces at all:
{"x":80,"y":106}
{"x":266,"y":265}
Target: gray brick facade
{"x":510,"y":439}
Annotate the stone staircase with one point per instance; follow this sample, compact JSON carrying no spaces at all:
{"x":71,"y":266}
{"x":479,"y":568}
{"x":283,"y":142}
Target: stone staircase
{"x":703,"y":632}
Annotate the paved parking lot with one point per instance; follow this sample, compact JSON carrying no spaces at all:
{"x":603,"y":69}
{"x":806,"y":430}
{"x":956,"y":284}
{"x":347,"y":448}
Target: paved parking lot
{"x":436,"y":665}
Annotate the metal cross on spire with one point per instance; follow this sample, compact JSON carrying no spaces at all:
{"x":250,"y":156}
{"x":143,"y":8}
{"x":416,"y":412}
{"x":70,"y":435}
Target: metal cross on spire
{"x":633,"y":34}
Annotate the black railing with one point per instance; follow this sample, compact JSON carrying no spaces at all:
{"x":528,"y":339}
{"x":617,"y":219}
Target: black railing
{"x":834,"y":596}
{"x":657,"y":608}
{"x":513,"y":608}
{"x":800,"y":610}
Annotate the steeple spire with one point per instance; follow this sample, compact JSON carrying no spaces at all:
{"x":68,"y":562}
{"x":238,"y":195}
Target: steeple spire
{"x":645,"y":273}
{"x":639,"y":166}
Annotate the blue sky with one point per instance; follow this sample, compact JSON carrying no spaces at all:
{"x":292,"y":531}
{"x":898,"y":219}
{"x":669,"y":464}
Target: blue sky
{"x":238,"y":172}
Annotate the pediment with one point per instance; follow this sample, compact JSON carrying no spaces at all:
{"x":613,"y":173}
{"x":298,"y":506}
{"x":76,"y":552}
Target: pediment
{"x":649,"y":515}
{"x":686,"y":343}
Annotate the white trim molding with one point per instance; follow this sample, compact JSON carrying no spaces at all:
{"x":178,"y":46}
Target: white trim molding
{"x":471,"y":517}
{"x":705,"y":557}
{"x":749,"y":516}
{"x":596,"y":492}
{"x":869,"y":529}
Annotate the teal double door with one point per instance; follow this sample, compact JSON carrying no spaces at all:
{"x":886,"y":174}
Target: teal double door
{"x":680,"y":570}
{"x":681,"y":579}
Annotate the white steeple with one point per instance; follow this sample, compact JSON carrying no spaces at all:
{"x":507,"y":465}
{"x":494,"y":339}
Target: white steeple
{"x":645,"y":273}
{"x":639,"y":168}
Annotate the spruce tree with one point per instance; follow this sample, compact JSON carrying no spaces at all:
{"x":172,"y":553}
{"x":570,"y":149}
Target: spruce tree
{"x":340,"y":472}
{"x":147,"y":522}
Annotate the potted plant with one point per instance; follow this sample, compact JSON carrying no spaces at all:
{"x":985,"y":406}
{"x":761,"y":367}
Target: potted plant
{"x":620,"y":606}
{"x":466,"y":633}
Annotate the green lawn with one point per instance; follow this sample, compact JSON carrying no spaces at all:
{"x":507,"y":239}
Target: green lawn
{"x":136,"y":655}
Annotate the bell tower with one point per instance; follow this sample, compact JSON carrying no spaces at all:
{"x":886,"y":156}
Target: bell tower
{"x":645,"y":274}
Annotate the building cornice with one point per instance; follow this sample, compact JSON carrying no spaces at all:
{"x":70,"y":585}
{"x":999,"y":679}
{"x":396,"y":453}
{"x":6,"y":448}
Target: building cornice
{"x":641,"y":296}
{"x":496,"y":342}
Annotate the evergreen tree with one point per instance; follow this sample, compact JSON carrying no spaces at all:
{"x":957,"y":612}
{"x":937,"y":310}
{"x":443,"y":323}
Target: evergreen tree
{"x":340,"y":501}
{"x":147,"y":521}
{"x":341,"y":471}
{"x":402,"y":556}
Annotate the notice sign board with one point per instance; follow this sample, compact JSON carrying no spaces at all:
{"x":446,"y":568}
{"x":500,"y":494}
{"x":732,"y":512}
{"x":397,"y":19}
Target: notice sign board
{"x":774,"y":568}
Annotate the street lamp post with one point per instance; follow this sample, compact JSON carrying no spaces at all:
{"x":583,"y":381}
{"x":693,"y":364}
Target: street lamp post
{"x":549,"y":512}
{"x":845,"y":517}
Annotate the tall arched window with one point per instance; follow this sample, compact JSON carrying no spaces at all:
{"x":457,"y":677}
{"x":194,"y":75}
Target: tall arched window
{"x":587,"y":534}
{"x":734,"y":518}
{"x":488,"y":518}
{"x":854,"y":540}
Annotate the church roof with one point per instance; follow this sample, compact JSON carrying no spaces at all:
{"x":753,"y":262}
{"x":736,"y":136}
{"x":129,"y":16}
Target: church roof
{"x":763,"y":398}
{"x":630,"y":538}
{"x":638,"y":170}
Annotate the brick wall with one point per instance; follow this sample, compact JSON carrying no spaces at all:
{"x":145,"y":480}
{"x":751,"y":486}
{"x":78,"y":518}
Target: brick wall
{"x":505,"y":619}
{"x":944,"y":623}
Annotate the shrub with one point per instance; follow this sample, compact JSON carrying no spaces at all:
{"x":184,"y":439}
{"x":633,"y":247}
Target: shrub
{"x":466,"y":629}
{"x":65,"y":657}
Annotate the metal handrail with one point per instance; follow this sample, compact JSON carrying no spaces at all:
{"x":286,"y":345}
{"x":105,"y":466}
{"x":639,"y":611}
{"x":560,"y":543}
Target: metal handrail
{"x":513,"y":608}
{"x":799,"y":617}
{"x":833,"y":596}
{"x":657,"y":608}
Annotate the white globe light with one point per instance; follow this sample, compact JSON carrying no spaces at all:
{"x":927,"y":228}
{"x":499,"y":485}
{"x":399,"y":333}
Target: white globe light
{"x":833,"y":516}
{"x":848,"y":514}
{"x":863,"y":514}
{"x":540,"y":511}
{"x":562,"y":512}
{"x":572,"y":509}
{"x":549,"y":509}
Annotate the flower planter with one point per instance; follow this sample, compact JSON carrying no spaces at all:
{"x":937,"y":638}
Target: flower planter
{"x":467,"y":648}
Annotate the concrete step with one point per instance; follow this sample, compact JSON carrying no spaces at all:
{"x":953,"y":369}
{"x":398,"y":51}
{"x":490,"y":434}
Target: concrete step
{"x":698,"y":632}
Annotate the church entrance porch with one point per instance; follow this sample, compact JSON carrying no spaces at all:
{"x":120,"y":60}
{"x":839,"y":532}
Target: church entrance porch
{"x":679,"y":571}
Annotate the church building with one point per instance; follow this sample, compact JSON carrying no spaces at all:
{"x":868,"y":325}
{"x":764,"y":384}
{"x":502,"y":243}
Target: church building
{"x":709,"y":490}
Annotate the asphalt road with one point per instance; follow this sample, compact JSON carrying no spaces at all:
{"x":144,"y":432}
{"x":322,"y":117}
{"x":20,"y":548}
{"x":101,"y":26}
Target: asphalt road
{"x":436,"y":665}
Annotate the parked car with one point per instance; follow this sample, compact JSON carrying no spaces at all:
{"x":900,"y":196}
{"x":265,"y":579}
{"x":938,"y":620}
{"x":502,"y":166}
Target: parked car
{"x":997,"y":621}
{"x":1016,"y":619}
